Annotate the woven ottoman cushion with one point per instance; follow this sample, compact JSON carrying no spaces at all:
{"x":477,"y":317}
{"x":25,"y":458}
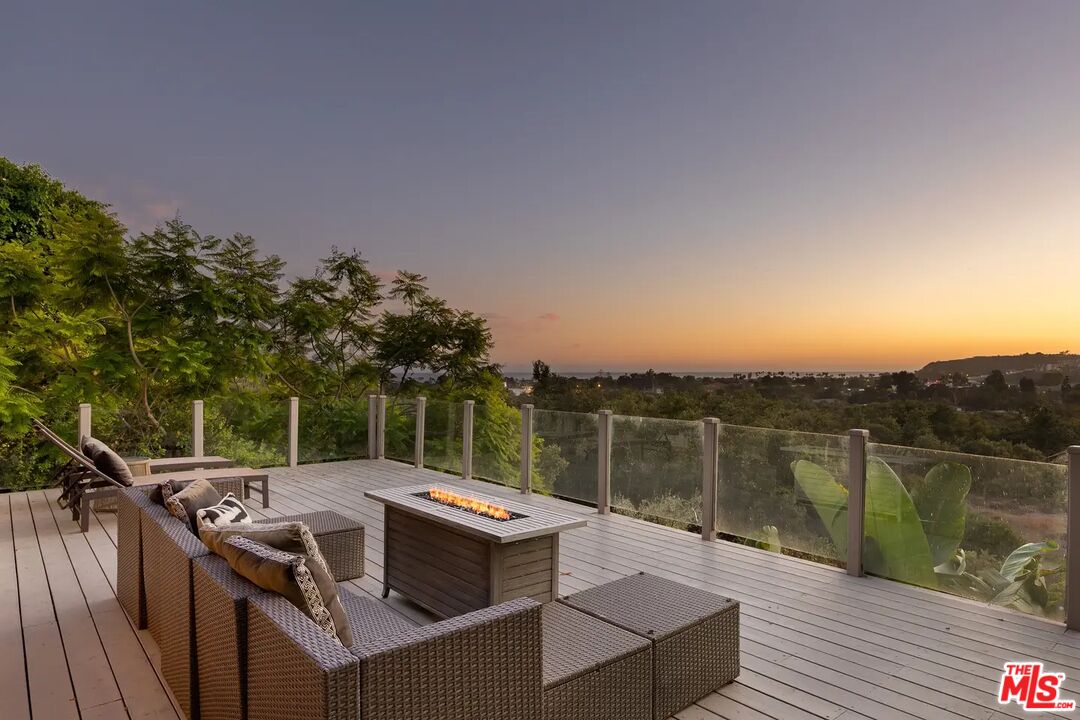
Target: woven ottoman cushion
{"x":592,"y":669}
{"x":695,"y":634}
{"x":340,"y":539}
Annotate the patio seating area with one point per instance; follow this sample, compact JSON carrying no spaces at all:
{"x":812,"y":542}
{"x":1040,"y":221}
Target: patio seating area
{"x":815,"y":642}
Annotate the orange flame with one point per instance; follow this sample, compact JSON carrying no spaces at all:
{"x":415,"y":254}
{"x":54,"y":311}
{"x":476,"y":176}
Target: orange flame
{"x":477,"y":506}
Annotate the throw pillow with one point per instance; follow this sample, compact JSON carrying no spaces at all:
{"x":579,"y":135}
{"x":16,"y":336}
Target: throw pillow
{"x":185,"y":505}
{"x":228,"y":511}
{"x":305,"y":584}
{"x":294,"y":538}
{"x":166,"y":489}
{"x":107,"y":461}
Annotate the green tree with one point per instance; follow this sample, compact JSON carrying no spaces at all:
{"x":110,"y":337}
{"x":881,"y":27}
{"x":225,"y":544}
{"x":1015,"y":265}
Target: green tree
{"x":996,"y":382}
{"x":326,"y":328}
{"x":428,"y":334}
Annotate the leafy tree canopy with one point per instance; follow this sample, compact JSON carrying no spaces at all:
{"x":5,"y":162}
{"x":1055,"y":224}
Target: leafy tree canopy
{"x":140,"y":324}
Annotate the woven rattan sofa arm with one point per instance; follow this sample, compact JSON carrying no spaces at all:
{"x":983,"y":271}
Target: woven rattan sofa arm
{"x":295,"y":670}
{"x":486,"y":664}
{"x":185,"y":540}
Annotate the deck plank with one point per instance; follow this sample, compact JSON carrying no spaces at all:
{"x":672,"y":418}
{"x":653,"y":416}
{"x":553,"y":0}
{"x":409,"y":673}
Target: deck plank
{"x":91,"y":673}
{"x":51,"y":692}
{"x":13,"y":687}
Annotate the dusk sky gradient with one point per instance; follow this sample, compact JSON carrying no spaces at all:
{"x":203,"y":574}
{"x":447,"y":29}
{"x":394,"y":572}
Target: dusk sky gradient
{"x":619,"y":185}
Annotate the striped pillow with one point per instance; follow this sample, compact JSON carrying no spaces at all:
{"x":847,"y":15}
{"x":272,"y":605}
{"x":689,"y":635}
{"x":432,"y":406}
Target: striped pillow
{"x":228,"y":511}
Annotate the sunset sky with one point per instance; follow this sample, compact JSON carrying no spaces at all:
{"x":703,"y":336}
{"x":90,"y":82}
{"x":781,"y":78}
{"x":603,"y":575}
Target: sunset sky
{"x":688,"y":186}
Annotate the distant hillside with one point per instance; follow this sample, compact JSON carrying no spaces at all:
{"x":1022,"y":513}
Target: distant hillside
{"x":985,"y":364}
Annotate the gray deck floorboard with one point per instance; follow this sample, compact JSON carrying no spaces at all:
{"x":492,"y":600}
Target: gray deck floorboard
{"x":816,"y":642}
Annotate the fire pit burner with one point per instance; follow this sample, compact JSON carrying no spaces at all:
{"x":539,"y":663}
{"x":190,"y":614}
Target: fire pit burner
{"x":470,"y":505}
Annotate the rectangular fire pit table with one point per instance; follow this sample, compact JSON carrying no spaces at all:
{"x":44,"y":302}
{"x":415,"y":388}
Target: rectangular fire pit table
{"x":452,"y":560}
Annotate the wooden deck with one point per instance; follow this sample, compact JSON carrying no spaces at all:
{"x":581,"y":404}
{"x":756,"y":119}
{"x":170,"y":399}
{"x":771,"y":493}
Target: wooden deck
{"x":815,"y":642}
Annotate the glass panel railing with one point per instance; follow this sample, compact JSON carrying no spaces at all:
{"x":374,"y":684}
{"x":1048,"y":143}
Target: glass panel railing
{"x":656,"y":468}
{"x":784,"y":490}
{"x":442,"y":436}
{"x":565,"y":449}
{"x":497,"y":444}
{"x":251,"y":430}
{"x":132,"y":434}
{"x":333,"y":429}
{"x":991,"y":529}
{"x":401,"y":429}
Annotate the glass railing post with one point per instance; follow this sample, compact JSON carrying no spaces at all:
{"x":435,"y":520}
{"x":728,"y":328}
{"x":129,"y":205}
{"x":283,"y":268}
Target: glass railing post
{"x":1072,"y":547}
{"x":380,"y":426}
{"x":710,"y":477}
{"x":84,"y":423}
{"x":856,"y":499}
{"x":294,"y":431}
{"x":605,"y":425}
{"x":526,"y":448}
{"x":197,"y":442}
{"x":421,"y":418}
{"x":373,"y":426}
{"x":467,"y":439}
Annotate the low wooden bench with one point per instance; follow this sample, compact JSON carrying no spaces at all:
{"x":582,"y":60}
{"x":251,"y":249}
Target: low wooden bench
{"x":183,"y":464}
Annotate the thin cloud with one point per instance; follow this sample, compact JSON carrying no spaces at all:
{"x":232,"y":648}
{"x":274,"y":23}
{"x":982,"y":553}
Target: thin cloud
{"x":549,"y":317}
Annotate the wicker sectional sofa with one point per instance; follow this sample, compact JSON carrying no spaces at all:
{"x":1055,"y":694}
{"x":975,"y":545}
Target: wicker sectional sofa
{"x":156,"y":557}
{"x":231,"y":651}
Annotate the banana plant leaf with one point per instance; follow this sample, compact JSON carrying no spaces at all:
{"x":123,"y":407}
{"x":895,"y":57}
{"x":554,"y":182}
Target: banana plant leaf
{"x":1018,"y":561}
{"x":941,"y":505}
{"x":892,"y":523}
{"x":1028,"y":594}
{"x":829,"y":498}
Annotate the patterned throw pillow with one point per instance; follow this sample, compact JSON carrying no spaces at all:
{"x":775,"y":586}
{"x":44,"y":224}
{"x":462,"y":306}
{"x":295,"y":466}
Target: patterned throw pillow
{"x":166,"y":489}
{"x":228,"y":511}
{"x":185,"y":505}
{"x":305,"y":584}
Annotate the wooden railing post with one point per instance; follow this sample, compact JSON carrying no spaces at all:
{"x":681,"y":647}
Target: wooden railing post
{"x":526,"y":448}
{"x":856,"y":499}
{"x":1072,"y":543}
{"x":84,"y":423}
{"x":467,"y":439}
{"x":381,"y":441}
{"x":710,"y":477}
{"x":421,"y":419}
{"x":372,"y":426}
{"x":605,"y":425}
{"x":197,"y":429}
{"x":294,"y":431}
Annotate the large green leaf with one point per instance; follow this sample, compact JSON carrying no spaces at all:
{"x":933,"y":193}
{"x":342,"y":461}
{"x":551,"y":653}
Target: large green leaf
{"x":1018,"y":559}
{"x":894,"y":525}
{"x":941,"y":504}
{"x":829,"y":498}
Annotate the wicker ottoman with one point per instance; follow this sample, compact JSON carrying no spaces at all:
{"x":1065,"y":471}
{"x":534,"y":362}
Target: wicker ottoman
{"x":340,"y":539}
{"x":694,"y":634}
{"x":593,"y":670}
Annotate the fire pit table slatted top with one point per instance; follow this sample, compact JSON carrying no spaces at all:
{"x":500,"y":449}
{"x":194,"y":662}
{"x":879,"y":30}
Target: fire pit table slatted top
{"x":527,"y":521}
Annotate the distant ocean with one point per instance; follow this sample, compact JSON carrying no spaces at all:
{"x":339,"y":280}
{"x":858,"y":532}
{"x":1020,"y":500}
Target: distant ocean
{"x":527,"y":374}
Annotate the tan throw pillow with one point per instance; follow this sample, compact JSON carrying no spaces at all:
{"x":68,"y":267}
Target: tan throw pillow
{"x":294,"y":538}
{"x":303,"y":583}
{"x":185,"y":505}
